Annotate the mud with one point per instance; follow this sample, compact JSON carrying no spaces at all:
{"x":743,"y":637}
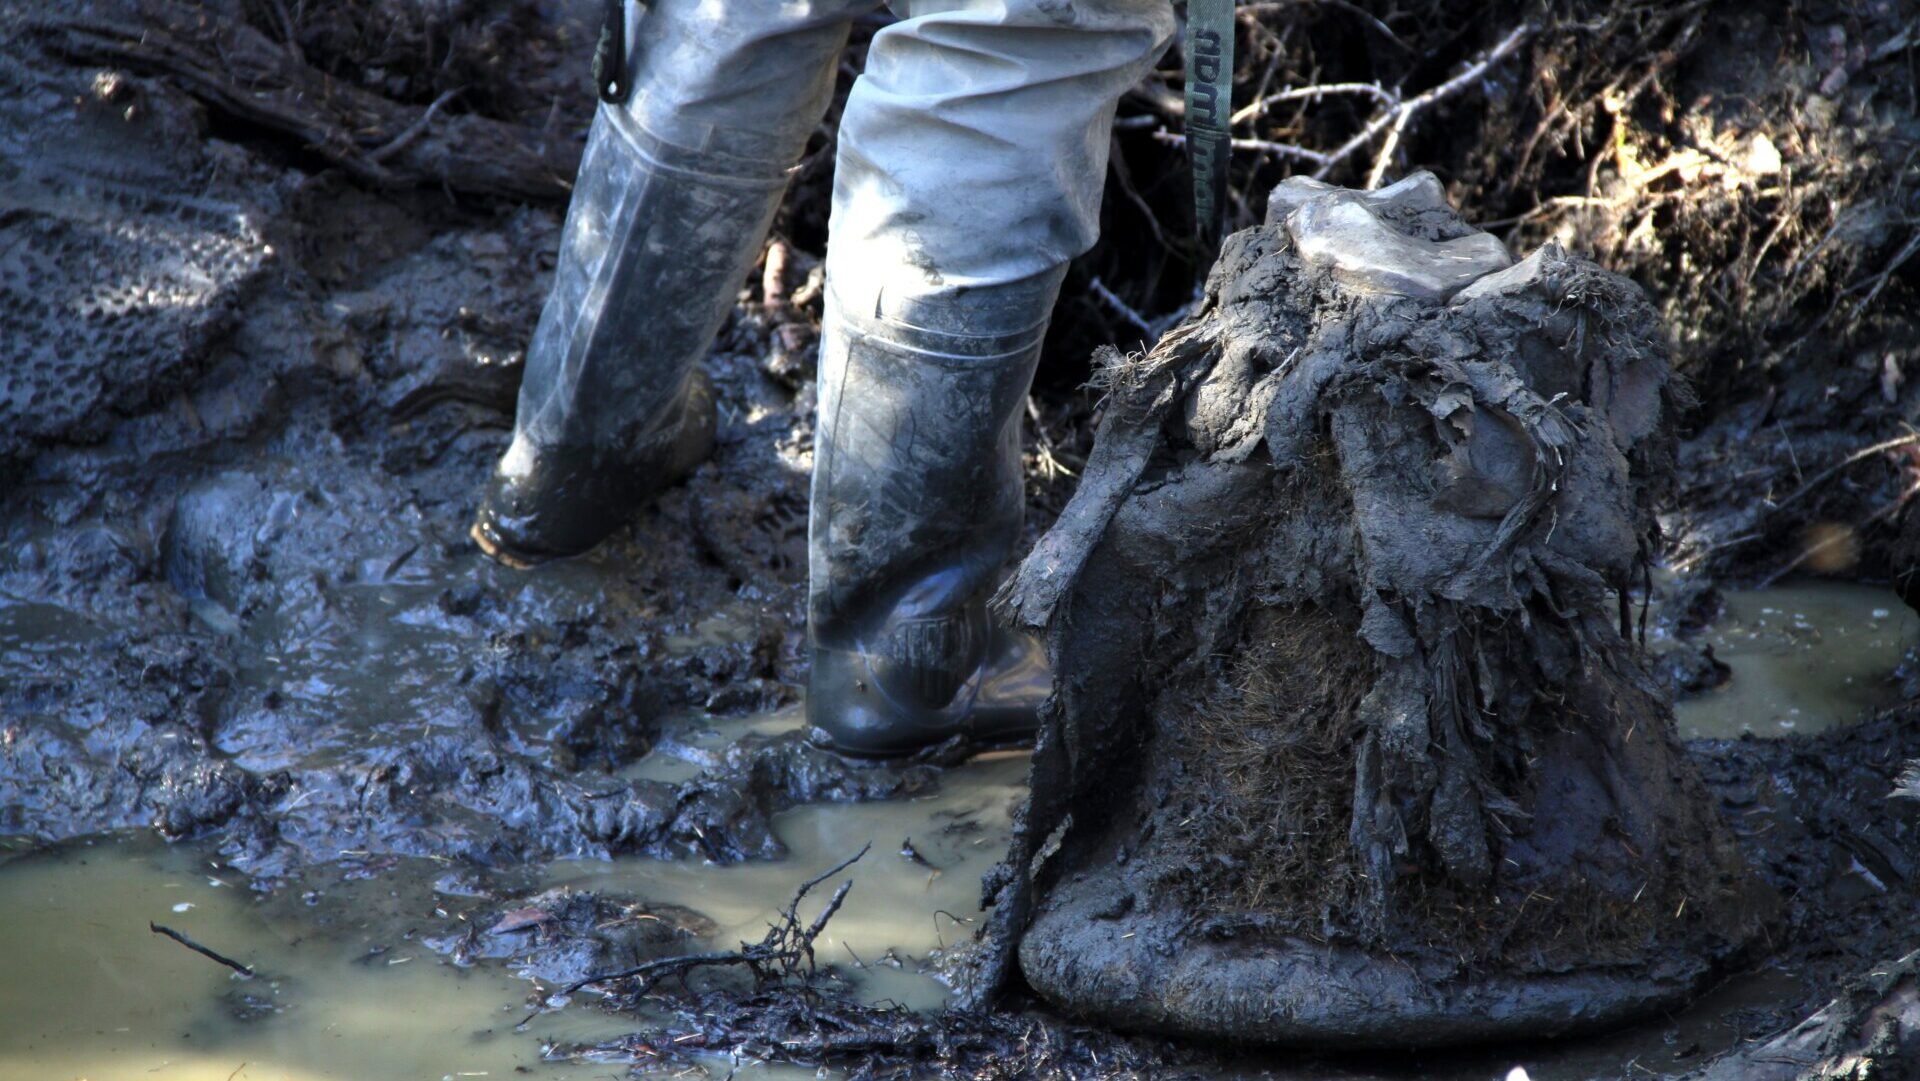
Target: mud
{"x":249,"y":389}
{"x":238,"y":505}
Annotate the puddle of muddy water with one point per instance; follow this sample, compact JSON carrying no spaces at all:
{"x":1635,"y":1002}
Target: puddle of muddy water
{"x":904,"y":903}
{"x":92,"y":993}
{"x":347,"y":990}
{"x":1805,"y":658}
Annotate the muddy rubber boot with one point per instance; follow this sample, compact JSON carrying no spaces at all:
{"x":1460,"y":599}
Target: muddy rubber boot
{"x":917,"y":503}
{"x":560,"y":501}
{"x":970,"y":162}
{"x":676,"y":191}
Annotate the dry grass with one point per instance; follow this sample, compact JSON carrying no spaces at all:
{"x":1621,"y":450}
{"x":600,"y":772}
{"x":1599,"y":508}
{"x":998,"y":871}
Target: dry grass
{"x":1273,"y":747}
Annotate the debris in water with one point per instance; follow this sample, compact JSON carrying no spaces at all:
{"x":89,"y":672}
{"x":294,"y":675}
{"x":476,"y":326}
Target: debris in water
{"x":519,"y":920}
{"x":780,"y":955}
{"x":912,"y":855}
{"x":244,"y":970}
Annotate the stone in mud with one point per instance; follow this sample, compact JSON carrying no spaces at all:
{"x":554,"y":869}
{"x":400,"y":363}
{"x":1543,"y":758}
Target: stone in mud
{"x":562,"y":936}
{"x":1350,"y":745}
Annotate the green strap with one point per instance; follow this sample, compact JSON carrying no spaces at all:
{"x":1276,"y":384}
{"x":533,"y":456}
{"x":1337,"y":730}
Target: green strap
{"x":1209,"y":49}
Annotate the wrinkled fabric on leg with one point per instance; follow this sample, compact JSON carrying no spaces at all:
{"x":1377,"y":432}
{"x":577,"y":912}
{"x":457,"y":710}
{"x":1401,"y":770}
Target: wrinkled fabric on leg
{"x":973,"y":150}
{"x":676,"y":191}
{"x":971,"y":163}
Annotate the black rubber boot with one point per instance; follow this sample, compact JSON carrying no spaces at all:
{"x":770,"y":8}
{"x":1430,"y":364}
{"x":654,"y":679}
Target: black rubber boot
{"x":917,"y":503}
{"x":676,"y":191}
{"x":568,"y":498}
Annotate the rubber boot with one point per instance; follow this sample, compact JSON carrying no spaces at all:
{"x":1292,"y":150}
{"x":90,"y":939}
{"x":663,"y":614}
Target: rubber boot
{"x":972,"y":155}
{"x":917,"y":503}
{"x":676,"y":191}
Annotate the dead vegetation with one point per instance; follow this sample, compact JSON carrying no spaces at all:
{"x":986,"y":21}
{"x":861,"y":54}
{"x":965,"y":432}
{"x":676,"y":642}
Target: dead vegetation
{"x":812,"y":1027}
{"x":798,"y":1012}
{"x":1752,"y":167}
{"x":338,"y":105}
{"x":1278,"y":744}
{"x":1749,"y":165}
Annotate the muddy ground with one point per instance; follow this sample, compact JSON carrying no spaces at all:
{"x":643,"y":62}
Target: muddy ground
{"x":251,"y":375}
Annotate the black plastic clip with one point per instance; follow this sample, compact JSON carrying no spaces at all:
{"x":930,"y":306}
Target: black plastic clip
{"x":610,"y":55}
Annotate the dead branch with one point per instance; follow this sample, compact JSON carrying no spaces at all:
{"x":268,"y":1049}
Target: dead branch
{"x":1879,"y":281}
{"x":240,"y":72}
{"x":244,"y":970}
{"x":828,"y":1028}
{"x":1887,"y":510}
{"x":413,"y":130}
{"x":776,"y":958}
{"x":1258,"y":107}
{"x":1120,"y":307}
{"x":1392,"y":121}
{"x":1397,"y":118}
{"x":1358,"y":12}
{"x":1862,"y":454}
{"x":1265,"y":146}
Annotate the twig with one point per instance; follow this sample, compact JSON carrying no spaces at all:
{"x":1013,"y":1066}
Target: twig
{"x":1840,"y":536}
{"x":820,"y":921}
{"x":1120,"y":307}
{"x":157,"y":929}
{"x":1347,"y":6}
{"x":292,"y":43}
{"x":1812,"y":483}
{"x":414,"y":130}
{"x":1880,"y":280}
{"x":1392,"y":121}
{"x":1265,"y":146}
{"x":1398,"y":116}
{"x":1117,"y":164}
{"x":667,"y":965}
{"x":1050,"y":463}
{"x":1313,"y":93}
{"x":240,"y":72}
{"x":779,"y":954}
{"x":1865,"y":452}
{"x":1681,"y":566}
{"x":1392,"y":142}
{"x":801,"y":893}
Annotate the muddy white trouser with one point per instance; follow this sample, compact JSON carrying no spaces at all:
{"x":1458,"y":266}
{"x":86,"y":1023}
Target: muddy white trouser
{"x":972,"y":157}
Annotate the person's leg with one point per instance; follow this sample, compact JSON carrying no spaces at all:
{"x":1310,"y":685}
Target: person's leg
{"x":675,"y":194}
{"x":972,"y":158}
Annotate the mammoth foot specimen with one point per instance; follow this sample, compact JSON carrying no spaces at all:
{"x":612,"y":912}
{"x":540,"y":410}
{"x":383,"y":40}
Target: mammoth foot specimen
{"x":1351,"y":742}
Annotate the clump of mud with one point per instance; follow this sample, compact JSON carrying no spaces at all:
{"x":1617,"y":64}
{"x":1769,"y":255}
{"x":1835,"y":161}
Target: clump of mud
{"x":1375,"y":758}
